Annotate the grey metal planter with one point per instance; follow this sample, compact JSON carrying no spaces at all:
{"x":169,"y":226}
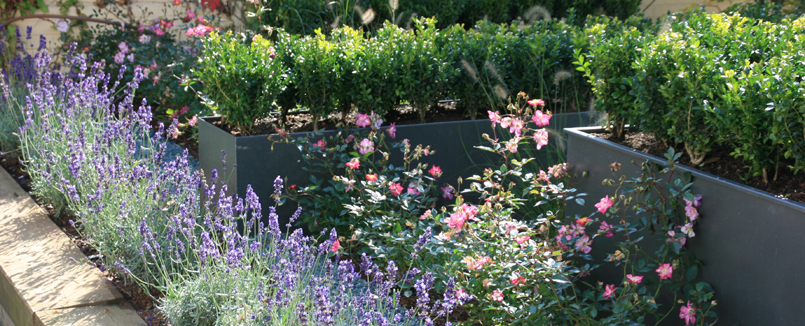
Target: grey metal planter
{"x":749,"y":241}
{"x":251,"y":161}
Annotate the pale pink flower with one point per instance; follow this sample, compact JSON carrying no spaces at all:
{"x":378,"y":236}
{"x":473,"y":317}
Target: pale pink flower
{"x":350,"y":138}
{"x":516,"y":127}
{"x":634,"y":279}
{"x":144,"y":39}
{"x":536,"y":102}
{"x":691,"y":212}
{"x":541,"y":119}
{"x":607,"y":229}
{"x":435,"y":171}
{"x":120,"y":57}
{"x":193,"y":121}
{"x":665,"y":271}
{"x":688,"y":314}
{"x":190,"y":14}
{"x":541,"y":137}
{"x":366,"y":146}
{"x":511,"y":145}
{"x":175,"y":133}
{"x":517,"y":279}
{"x":673,"y":238}
{"x":583,"y":244}
{"x":497,"y":296}
{"x":447,"y":192}
{"x":62,"y":26}
{"x":190,"y":32}
{"x":494,"y":117}
{"x":201,"y":19}
{"x":158,"y":31}
{"x":396,"y":189}
{"x":377,"y":121}
{"x":363,"y":120}
{"x":457,"y":220}
{"x":130,"y":57}
{"x":522,"y":239}
{"x":412,"y":189}
{"x":697,"y":200}
{"x":604,"y":205}
{"x":609,"y":290}
{"x":354,"y":163}
{"x":123,"y":47}
{"x":392,"y":130}
{"x":505,"y":122}
{"x":687,"y":229}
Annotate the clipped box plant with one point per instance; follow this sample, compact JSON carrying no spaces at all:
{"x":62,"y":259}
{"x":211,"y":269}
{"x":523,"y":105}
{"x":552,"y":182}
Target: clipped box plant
{"x":242,"y":77}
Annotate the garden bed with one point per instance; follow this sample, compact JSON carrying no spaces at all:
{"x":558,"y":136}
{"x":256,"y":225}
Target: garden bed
{"x":748,"y":240}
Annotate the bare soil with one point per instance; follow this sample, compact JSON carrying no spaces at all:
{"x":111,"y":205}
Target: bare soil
{"x":302,"y":121}
{"x":720,"y":163}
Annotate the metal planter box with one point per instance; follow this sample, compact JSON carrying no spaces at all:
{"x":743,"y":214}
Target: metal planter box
{"x":251,"y":161}
{"x":749,"y":241}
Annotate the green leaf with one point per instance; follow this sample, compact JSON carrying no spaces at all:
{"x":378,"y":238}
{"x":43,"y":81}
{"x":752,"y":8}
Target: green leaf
{"x":42,"y":6}
{"x":692,"y":272}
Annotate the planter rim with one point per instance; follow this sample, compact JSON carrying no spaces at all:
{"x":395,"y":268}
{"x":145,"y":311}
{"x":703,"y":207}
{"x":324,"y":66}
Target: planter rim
{"x":584,"y":132}
{"x":208,"y":119}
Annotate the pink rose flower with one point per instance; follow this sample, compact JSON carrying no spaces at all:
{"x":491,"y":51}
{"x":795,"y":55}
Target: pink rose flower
{"x":447,"y":192}
{"x":536,"y":102}
{"x":604,"y":205}
{"x":609,"y":290}
{"x":336,"y":246}
{"x":396,"y":189}
{"x":634,"y":279}
{"x":366,"y":146}
{"x":522,"y":239}
{"x":435,"y":171}
{"x":495,"y":117}
{"x":541,"y":119}
{"x":392,"y":130}
{"x":541,"y":137}
{"x":497,"y":296}
{"x":372,"y":177}
{"x":363,"y":120}
{"x":688,"y":314}
{"x":583,"y":244}
{"x":665,"y":271}
{"x":354,"y":163}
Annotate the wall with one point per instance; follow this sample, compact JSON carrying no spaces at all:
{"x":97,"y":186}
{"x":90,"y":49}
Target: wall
{"x":657,"y":8}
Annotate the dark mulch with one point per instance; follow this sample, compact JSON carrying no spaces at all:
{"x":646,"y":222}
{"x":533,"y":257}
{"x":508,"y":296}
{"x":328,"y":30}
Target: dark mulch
{"x":302,"y":121}
{"x":134,"y":296}
{"x":719,"y":162}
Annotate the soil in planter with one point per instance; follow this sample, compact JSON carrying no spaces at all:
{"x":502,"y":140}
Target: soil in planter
{"x":720,"y":163}
{"x":134,"y":295}
{"x":302,"y":122}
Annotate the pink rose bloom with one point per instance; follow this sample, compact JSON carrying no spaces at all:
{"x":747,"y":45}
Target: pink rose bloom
{"x":392,"y":130}
{"x":497,"y":296}
{"x":541,"y":119}
{"x":457,"y":220}
{"x":495,"y":117}
{"x":516,"y":127}
{"x":349,"y":138}
{"x":609,"y":290}
{"x":522,"y":239}
{"x":505,"y":122}
{"x":541,"y":137}
{"x":687,"y":229}
{"x":190,"y":32}
{"x":177,"y":2}
{"x":175,"y":133}
{"x":511,"y":145}
{"x":158,"y":31}
{"x":363,"y":120}
{"x":336,"y":245}
{"x":583,"y":244}
{"x":673,"y":238}
{"x":366,"y":146}
{"x":123,"y":47}
{"x":119,"y":57}
{"x":634,"y":279}
{"x":435,"y":171}
{"x":396,"y":189}
{"x":447,"y":192}
{"x":412,"y":189}
{"x":371,"y":177}
{"x":190,"y":14}
{"x":354,"y":164}
{"x":604,"y":205}
{"x":319,"y":143}
{"x":201,"y":19}
{"x":193,"y":121}
{"x":691,"y":212}
{"x":517,"y":279}
{"x":688,"y":314}
{"x":665,"y":271}
{"x":536,"y":102}
{"x":607,"y":229}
